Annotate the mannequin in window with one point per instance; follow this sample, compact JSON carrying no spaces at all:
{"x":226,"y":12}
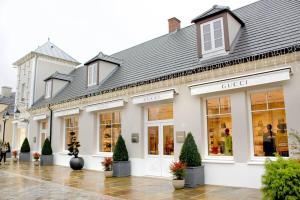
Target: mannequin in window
{"x":269,"y":142}
{"x":228,"y":143}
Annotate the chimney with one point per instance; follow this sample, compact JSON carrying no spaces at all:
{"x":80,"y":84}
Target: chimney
{"x":6,"y":91}
{"x":174,"y":24}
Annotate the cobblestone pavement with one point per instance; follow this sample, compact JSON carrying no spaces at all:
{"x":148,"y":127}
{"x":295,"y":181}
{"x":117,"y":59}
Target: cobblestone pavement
{"x":28,"y":182}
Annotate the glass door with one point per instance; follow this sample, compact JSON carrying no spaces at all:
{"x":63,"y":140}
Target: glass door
{"x":160,"y":148}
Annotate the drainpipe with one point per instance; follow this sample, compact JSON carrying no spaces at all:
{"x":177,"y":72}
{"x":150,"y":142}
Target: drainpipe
{"x":51,"y":112}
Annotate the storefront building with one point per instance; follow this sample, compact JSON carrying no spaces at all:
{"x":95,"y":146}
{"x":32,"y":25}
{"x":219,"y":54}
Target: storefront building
{"x":236,"y":93}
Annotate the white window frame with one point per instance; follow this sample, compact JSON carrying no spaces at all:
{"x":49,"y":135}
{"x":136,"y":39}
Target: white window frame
{"x":64,"y":131}
{"x":253,"y":158}
{"x":48,"y":89}
{"x":102,"y":153}
{"x":92,"y":74}
{"x":207,"y":157}
{"x":213,"y":49}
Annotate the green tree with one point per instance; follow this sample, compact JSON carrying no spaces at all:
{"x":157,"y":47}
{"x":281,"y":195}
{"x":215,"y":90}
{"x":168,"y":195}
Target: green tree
{"x":47,"y":150}
{"x":189,"y":152}
{"x":120,"y":151}
{"x":281,"y":180}
{"x":25,"y":148}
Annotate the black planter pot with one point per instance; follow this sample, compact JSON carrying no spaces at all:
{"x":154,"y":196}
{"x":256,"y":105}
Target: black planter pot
{"x":76,"y":163}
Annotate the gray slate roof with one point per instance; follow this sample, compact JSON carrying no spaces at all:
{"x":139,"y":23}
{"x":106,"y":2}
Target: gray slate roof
{"x":103,"y":57}
{"x":60,"y":76}
{"x":50,"y":49}
{"x":269,"y":25}
{"x":10,"y":101}
{"x":215,"y":9}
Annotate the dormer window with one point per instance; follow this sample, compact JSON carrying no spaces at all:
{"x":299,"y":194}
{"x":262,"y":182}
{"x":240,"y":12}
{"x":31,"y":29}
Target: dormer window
{"x":92,"y":74}
{"x":212,"y":36}
{"x":48,"y":89}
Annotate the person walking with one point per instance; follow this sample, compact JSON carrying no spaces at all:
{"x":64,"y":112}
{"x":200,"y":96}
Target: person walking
{"x":4,"y":148}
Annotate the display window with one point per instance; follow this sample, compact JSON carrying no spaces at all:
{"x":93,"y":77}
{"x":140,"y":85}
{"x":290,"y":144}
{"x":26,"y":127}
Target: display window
{"x":219,"y":126}
{"x":269,"y":123}
{"x":43,"y":132}
{"x":71,"y":125}
{"x":109,"y":130}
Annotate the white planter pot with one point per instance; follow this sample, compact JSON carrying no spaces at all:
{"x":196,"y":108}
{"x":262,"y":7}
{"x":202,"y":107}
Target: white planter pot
{"x":108,"y":174}
{"x":15,"y":159}
{"x":36,"y":162}
{"x":178,"y":184}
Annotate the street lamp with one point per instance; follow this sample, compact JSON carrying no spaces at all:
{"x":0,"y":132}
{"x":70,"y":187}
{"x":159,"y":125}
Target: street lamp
{"x":5,"y":117}
{"x":17,"y":113}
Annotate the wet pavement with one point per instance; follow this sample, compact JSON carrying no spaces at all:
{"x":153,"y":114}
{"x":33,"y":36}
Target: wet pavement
{"x":28,"y":182}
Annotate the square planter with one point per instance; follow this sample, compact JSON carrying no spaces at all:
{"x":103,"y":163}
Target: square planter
{"x":46,"y":160}
{"x":25,"y":157}
{"x":8,"y":155}
{"x":121,"y":168}
{"x":194,"y":176}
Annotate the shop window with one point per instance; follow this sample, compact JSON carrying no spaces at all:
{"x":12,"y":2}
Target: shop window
{"x":168,"y":139}
{"x":160,"y":112}
{"x":43,"y":132}
{"x":109,"y":131}
{"x":71,"y":125}
{"x":219,"y":126}
{"x":153,"y":138}
{"x":269,"y":123}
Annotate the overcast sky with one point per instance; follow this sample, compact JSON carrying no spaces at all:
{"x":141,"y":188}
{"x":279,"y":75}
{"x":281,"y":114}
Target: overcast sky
{"x":82,"y":28}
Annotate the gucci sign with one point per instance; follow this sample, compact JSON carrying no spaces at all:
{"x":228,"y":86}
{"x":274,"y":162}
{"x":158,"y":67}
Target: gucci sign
{"x":234,"y":84}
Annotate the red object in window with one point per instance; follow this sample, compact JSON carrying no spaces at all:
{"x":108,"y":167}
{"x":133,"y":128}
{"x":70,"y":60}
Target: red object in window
{"x":215,"y":150}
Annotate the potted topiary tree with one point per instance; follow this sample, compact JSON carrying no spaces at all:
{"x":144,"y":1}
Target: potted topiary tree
{"x":191,"y":157}
{"x":46,"y":157}
{"x":76,"y":163}
{"x":121,"y":164}
{"x":25,"y":151}
{"x":8,"y":153}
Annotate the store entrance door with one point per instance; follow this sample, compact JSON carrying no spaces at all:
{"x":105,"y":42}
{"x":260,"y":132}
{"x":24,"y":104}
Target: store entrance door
{"x":160,"y":148}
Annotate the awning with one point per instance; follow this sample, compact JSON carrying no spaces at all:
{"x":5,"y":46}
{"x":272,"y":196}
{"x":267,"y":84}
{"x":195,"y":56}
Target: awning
{"x":248,"y":80}
{"x":105,"y":105}
{"x":154,"y":96}
{"x":62,"y":113}
{"x":39,"y":117}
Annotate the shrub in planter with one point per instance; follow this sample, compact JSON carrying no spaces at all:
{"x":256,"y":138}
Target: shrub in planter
{"x":8,"y":153}
{"x":25,"y":151}
{"x":178,"y":171}
{"x":190,"y":156}
{"x":107,"y":164}
{"x":15,"y":154}
{"x":121,"y":164}
{"x":281,"y":180}
{"x":76,"y":163}
{"x":36,"y":157}
{"x":47,"y":157}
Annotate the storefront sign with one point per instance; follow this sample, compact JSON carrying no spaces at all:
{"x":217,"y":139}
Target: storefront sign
{"x":66,"y":112}
{"x":180,"y":136}
{"x":105,"y":105}
{"x":242,"y":81}
{"x":134,"y":137}
{"x":39,"y":117}
{"x":151,"y":97}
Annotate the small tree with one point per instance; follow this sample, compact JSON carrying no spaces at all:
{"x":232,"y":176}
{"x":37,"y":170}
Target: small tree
{"x":47,"y":150}
{"x":8,"y":147}
{"x":189,"y":153}
{"x":25,"y":148}
{"x":120,"y":151}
